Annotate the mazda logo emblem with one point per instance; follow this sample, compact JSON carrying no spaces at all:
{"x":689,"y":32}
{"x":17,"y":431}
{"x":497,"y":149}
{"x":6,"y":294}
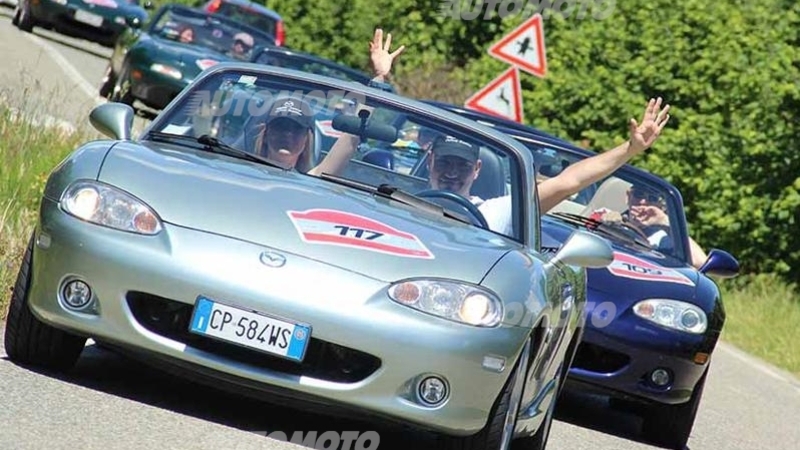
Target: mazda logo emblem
{"x":272,"y":259}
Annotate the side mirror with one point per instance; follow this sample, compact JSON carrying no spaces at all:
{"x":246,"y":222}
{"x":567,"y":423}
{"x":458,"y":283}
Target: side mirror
{"x":361,"y":126}
{"x":721,"y":264}
{"x":584,"y":249}
{"x":114,"y":120}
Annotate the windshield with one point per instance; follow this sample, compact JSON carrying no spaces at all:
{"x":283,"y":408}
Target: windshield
{"x":242,"y":109}
{"x":217,"y":33}
{"x":310,"y":65}
{"x":247,"y":15}
{"x":626,"y":207}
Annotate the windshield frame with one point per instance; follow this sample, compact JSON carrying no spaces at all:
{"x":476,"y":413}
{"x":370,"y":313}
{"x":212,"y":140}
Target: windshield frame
{"x":525,"y":219}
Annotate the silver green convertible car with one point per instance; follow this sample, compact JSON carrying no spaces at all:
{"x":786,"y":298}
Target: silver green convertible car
{"x":357,"y":290}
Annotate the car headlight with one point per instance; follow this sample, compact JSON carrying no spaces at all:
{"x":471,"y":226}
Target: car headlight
{"x":108,"y":206}
{"x":451,"y":300}
{"x":674,"y":314}
{"x":166,"y":70}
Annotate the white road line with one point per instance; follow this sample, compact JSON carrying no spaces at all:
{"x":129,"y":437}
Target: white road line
{"x":69,"y":69}
{"x":759,"y":365}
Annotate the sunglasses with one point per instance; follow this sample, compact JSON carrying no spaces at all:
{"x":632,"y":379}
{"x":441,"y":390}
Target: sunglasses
{"x":287,"y":125}
{"x":244,"y":46}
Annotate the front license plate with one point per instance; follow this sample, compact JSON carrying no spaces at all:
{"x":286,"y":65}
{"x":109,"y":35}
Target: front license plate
{"x":250,"y":329}
{"x":88,"y":18}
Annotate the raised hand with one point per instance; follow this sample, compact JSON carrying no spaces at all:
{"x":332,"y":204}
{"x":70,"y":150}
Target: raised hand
{"x":648,"y":215}
{"x":380,"y":56}
{"x":654,"y":119}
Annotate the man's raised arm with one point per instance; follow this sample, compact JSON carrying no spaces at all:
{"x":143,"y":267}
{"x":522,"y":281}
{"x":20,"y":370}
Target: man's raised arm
{"x":553,"y":191}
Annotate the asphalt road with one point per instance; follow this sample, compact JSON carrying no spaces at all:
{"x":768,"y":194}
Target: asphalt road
{"x":110,"y":402}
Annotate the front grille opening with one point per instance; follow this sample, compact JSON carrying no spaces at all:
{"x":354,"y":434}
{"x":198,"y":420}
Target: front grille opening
{"x":599,"y":359}
{"x":323,"y":360}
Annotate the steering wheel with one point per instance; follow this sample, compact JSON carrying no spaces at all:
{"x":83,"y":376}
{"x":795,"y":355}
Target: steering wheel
{"x":632,"y":228}
{"x":459,"y":200}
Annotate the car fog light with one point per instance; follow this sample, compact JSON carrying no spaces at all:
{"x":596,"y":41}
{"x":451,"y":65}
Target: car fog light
{"x":77,"y":294}
{"x":432,"y":390}
{"x":660,"y":377}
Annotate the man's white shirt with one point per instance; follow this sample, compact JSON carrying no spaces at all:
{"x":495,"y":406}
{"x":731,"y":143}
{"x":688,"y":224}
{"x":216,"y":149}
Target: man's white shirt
{"x":497,"y":212}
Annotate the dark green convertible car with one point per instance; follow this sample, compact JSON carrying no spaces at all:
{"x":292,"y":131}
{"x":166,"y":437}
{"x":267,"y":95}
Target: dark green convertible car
{"x":153,"y":63}
{"x":101,"y":21}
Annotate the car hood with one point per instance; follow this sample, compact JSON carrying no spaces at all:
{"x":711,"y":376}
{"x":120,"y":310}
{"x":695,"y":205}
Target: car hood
{"x":300,"y":214}
{"x":185,"y":55}
{"x":635,"y":273}
{"x":110,"y":9}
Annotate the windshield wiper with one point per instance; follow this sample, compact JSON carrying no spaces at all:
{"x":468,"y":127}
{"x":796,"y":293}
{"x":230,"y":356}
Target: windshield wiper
{"x":214,"y":145}
{"x":398,"y":195}
{"x":603,"y":227}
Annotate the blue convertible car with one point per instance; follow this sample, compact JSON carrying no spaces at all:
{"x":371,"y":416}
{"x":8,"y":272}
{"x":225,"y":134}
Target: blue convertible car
{"x":653,"y":320}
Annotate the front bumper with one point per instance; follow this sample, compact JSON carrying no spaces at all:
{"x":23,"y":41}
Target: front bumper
{"x":63,"y":18}
{"x":346,"y":311}
{"x":619,"y":364}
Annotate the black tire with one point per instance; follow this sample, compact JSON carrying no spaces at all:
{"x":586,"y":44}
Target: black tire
{"x":107,"y":85}
{"x":670,"y":426}
{"x":491,"y":437}
{"x":23,"y":16}
{"x":122,"y":88}
{"x":28,"y":340}
{"x":539,"y":439}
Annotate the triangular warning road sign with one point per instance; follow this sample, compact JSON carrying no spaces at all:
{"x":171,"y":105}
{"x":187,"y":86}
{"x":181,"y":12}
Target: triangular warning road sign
{"x":524,"y":47}
{"x":501,"y":97}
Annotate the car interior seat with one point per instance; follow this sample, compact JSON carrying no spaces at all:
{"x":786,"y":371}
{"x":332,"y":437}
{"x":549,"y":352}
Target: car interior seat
{"x":491,"y":181}
{"x":611,"y":194}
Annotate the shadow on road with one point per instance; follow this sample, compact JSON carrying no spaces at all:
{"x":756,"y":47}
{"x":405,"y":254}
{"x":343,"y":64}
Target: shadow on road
{"x":594,"y":412}
{"x":108,"y":372}
{"x":105,"y":371}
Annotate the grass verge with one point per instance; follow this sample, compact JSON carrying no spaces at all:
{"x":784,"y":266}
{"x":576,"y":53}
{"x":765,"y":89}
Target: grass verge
{"x":28,"y":152}
{"x":763,"y":314}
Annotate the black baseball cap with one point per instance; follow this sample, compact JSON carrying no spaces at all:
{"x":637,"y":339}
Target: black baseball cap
{"x":294,"y":109}
{"x":452,"y":146}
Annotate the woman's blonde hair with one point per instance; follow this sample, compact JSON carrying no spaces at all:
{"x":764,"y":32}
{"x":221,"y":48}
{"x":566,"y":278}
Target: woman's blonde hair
{"x":305,"y":161}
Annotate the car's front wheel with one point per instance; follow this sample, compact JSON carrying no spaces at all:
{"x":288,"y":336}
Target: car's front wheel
{"x":670,"y":425}
{"x":122,"y":88}
{"x":499,"y":431}
{"x":28,"y":340}
{"x":107,"y":85}
{"x":23,"y":18}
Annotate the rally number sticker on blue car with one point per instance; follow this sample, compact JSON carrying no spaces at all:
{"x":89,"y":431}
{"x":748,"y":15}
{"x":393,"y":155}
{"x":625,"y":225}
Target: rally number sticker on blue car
{"x":250,"y":329}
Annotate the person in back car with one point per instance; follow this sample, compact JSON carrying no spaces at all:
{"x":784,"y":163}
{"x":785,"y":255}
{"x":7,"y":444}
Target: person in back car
{"x":646,"y":211}
{"x":242,"y":45}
